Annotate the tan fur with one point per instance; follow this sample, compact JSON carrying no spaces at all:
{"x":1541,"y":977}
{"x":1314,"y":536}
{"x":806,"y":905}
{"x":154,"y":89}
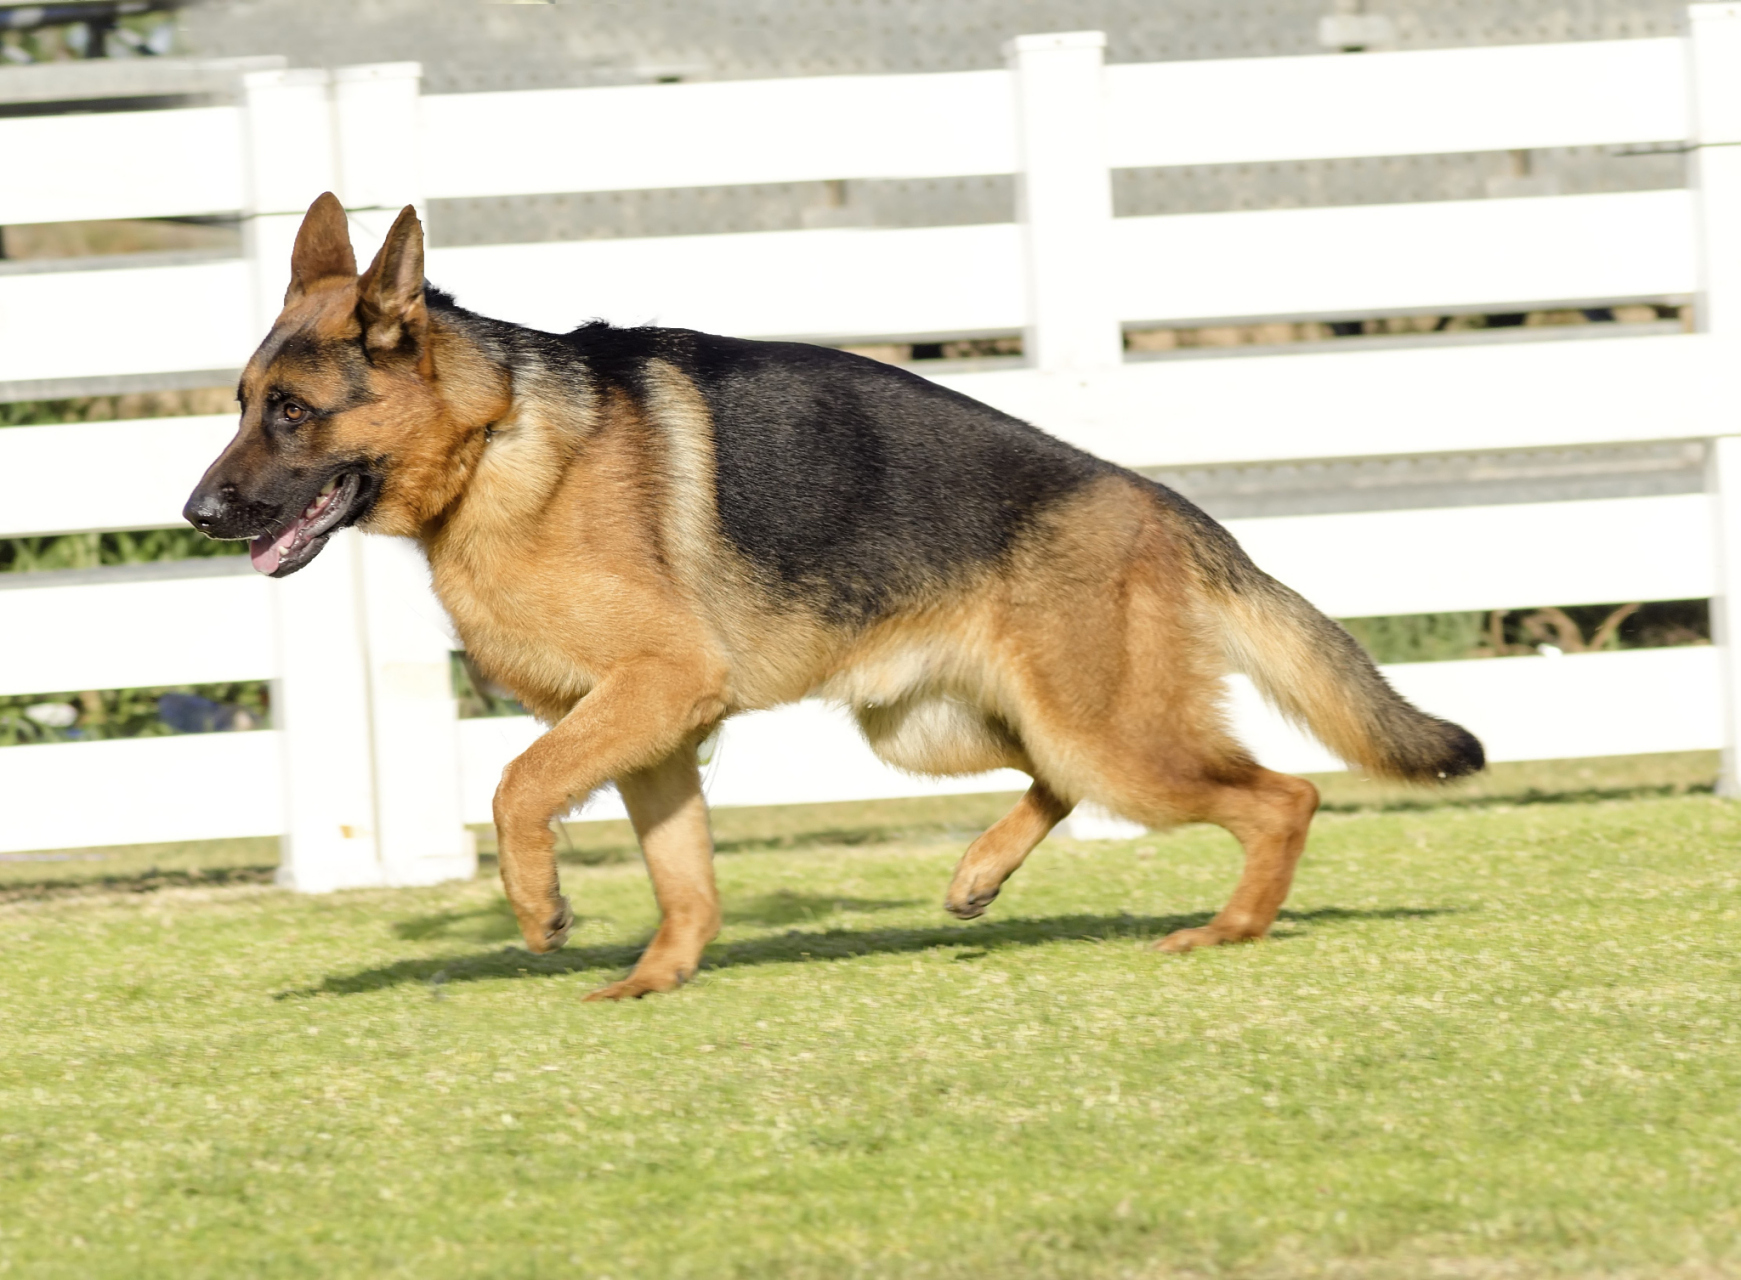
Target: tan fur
{"x":575,"y":542}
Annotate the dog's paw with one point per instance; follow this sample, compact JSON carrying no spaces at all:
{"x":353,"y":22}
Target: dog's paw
{"x":1182,"y":940}
{"x":640,"y":984}
{"x":969,"y":905}
{"x":553,"y":933}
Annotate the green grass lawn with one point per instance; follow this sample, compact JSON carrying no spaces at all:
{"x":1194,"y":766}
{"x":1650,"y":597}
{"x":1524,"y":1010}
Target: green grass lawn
{"x":1489,"y":1039}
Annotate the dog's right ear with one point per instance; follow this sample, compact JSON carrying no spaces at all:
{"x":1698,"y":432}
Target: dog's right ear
{"x":323,"y":247}
{"x":390,"y":293}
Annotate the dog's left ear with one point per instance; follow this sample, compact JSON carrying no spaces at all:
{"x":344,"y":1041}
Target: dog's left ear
{"x":323,"y":247}
{"x":390,"y":293}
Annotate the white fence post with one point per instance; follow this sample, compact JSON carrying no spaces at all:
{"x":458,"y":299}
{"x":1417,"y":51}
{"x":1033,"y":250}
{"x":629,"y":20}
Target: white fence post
{"x":421,"y":836}
{"x":1715,"y":52}
{"x":1064,"y":203}
{"x":320,"y":702}
{"x":377,"y":126}
{"x":288,"y":137}
{"x":321,"y":696}
{"x":1064,"y":200}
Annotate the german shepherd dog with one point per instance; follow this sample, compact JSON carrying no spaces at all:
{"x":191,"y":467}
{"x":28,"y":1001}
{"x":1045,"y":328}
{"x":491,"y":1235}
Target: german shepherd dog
{"x":643,"y":531}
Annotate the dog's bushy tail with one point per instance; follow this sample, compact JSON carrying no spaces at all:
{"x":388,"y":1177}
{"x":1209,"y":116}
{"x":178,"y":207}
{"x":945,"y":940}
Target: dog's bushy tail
{"x":1318,"y":676}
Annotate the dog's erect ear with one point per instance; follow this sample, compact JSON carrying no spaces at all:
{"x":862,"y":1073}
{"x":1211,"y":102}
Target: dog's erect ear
{"x":323,"y":247}
{"x":390,"y":294}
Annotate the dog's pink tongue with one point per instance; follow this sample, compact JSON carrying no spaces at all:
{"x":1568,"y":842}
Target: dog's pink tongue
{"x":265,"y":552}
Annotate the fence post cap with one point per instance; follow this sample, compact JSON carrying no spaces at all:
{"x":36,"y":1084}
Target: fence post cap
{"x":378,"y":71}
{"x":287,"y":78}
{"x":1054,"y":42}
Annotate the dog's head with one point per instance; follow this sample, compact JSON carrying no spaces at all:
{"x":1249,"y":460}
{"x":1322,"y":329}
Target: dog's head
{"x":346,"y":417}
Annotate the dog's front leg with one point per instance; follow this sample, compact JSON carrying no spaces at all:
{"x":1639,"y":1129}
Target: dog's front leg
{"x":633,"y":720}
{"x":670,"y":817}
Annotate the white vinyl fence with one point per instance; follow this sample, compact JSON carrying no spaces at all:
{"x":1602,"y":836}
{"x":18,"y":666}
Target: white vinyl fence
{"x":370,"y":775}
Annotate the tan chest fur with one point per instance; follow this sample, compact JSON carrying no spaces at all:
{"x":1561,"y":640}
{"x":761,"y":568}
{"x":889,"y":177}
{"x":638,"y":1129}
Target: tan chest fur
{"x":550,"y":566}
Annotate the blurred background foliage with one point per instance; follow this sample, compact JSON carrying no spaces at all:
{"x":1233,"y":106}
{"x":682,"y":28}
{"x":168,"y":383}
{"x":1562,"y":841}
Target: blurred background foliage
{"x":1503,"y":633}
{"x":479,"y":697}
{"x":95,"y":550}
{"x":93,"y":715}
{"x":118,"y":408}
{"x":141,"y":34}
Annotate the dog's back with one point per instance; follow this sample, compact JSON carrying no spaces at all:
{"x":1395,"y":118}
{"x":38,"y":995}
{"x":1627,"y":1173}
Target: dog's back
{"x":856,"y":487}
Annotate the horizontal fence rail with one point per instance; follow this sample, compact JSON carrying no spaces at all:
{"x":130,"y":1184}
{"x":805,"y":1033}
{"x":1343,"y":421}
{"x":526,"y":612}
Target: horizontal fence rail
{"x":367,"y":770}
{"x":1374,"y":259}
{"x":645,"y":137}
{"x":1376,"y":563}
{"x":1522,"y":708}
{"x":1353,"y":564}
{"x":136,"y":635}
{"x":132,"y":475}
{"x":1419,"y":102}
{"x":931,"y":281}
{"x":849,"y":282}
{"x":204,"y":786}
{"x":135,"y":164}
{"x":1350,"y":404}
{"x":642,"y":137}
{"x":139,"y":320}
{"x":1365,"y":564}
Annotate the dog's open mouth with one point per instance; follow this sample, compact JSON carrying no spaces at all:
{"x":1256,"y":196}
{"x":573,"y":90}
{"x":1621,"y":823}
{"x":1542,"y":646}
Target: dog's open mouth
{"x":280,"y":554}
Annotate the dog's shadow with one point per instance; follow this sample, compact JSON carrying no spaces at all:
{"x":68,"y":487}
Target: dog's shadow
{"x":802,"y":946}
{"x":494,"y":922}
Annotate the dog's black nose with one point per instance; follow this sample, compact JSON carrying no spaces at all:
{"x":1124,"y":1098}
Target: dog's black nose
{"x":207,"y":509}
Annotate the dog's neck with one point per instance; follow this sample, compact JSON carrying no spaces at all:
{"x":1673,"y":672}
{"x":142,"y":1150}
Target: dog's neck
{"x":510,"y":468}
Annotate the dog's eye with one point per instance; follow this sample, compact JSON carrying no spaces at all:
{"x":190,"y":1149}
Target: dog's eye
{"x":293,"y":412}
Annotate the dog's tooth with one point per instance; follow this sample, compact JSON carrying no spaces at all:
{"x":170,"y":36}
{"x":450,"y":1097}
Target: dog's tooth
{"x":330,"y":486}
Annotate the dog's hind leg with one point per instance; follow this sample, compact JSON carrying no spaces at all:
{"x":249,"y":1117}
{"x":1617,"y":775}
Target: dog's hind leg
{"x":1156,"y":749}
{"x":670,"y":817}
{"x":994,"y":857}
{"x":1210,"y":781}
{"x":943,"y":735}
{"x":1268,"y":813}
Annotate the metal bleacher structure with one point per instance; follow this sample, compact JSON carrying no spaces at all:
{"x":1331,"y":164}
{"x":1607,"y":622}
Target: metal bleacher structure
{"x":1608,"y":457}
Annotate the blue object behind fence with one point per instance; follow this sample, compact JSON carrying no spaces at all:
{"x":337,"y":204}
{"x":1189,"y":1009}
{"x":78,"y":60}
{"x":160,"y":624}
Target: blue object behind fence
{"x":190,"y":713}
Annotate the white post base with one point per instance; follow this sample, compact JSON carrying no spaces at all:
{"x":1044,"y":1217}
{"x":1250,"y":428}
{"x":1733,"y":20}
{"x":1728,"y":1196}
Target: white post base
{"x":1723,"y":482}
{"x":321,"y":704}
{"x":1089,"y":821}
{"x":422,"y":839}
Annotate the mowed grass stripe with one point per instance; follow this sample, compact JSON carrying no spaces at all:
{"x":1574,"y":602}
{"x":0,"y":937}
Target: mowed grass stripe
{"x":1484,"y":1040}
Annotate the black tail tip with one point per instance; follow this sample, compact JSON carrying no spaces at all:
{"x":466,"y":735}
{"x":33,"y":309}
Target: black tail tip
{"x":1462,"y":754}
